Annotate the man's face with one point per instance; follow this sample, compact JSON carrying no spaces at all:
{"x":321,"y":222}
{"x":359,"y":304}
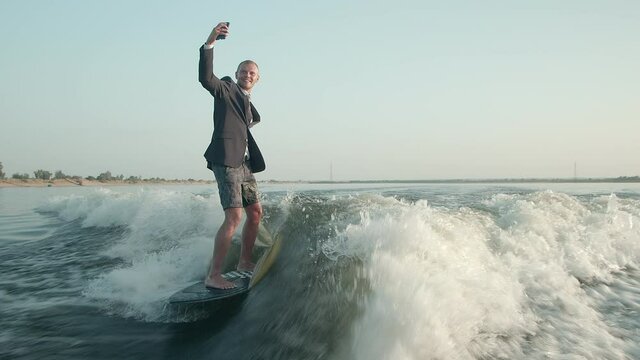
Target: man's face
{"x":247,"y":76}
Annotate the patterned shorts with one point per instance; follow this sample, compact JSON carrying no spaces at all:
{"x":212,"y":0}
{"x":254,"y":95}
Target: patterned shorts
{"x":237,"y":186}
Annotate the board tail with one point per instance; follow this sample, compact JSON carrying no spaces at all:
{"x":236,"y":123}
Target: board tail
{"x":265,"y":262}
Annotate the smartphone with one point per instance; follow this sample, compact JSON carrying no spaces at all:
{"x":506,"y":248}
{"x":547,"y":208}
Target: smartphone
{"x":222,"y":37}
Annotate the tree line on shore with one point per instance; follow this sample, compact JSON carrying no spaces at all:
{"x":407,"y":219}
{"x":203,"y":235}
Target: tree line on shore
{"x":46,"y":175}
{"x":107,"y":176}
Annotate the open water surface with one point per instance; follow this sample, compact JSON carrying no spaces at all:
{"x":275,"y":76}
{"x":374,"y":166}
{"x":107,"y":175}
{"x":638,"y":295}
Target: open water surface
{"x":367,"y":271}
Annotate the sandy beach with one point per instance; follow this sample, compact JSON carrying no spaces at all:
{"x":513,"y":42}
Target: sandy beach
{"x":85,"y":182}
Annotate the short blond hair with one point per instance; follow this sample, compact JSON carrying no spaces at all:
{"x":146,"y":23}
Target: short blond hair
{"x":248,"y":62}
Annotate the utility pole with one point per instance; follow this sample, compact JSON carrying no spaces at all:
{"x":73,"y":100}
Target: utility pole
{"x":331,"y":171}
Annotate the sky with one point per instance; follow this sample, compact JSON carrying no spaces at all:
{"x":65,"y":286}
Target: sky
{"x":349,"y":90}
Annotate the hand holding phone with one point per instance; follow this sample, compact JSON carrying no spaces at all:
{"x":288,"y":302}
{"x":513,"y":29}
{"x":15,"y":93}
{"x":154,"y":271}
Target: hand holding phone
{"x":225,"y":30}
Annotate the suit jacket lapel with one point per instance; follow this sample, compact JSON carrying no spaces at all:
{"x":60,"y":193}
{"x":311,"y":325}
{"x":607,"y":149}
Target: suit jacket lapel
{"x":254,"y":115}
{"x":247,"y":109}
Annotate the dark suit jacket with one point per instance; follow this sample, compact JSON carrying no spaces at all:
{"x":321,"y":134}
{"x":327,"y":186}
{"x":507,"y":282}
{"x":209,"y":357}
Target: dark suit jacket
{"x":233,"y":115}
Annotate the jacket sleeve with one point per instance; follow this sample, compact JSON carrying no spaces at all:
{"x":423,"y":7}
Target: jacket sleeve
{"x":206,"y":76}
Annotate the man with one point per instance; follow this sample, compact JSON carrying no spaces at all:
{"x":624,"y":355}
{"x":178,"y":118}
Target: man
{"x":233,"y":156}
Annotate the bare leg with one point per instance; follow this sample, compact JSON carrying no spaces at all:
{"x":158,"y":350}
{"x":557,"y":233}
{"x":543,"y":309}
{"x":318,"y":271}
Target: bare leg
{"x":232,"y":217}
{"x":249,"y":234}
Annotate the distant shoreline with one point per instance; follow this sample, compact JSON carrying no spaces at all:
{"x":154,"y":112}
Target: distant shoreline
{"x":624,"y":179}
{"x":84,"y":182}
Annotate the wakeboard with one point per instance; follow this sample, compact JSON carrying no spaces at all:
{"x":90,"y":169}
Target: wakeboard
{"x":198,"y":293}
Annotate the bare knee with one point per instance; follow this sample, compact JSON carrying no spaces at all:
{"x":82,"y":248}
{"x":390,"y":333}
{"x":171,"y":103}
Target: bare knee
{"x":232,"y":218}
{"x":254,"y":213}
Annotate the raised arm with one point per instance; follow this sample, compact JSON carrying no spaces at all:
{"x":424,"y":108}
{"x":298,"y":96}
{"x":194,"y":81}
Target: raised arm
{"x":220,"y":29}
{"x":205,"y":67}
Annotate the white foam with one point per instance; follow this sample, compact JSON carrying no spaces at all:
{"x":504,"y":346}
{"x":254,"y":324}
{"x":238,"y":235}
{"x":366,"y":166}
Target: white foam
{"x":140,"y":288}
{"x":101,"y":208}
{"x":445,"y":283}
{"x":462,"y":284}
{"x":166,"y":219}
{"x":167,"y":243}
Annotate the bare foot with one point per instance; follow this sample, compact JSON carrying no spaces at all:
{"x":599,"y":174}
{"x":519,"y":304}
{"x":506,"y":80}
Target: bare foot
{"x":218,"y":282}
{"x":245,"y":266}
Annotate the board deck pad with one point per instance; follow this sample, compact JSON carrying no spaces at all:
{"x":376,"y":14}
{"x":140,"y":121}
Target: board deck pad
{"x":198,"y":292}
